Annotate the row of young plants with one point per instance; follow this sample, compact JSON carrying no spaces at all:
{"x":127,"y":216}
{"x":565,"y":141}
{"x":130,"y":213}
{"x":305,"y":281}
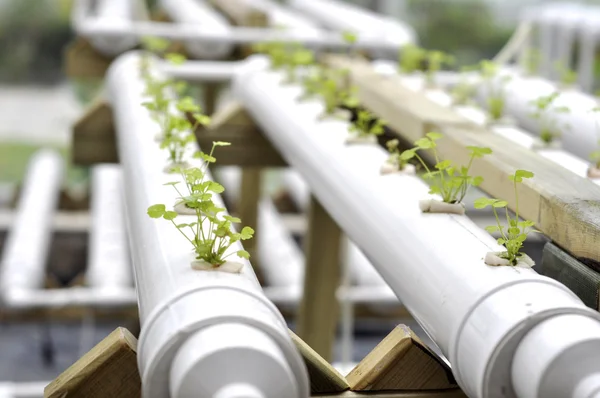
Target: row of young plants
{"x":447,"y":181}
{"x":211,"y":232}
{"x":546,"y":110}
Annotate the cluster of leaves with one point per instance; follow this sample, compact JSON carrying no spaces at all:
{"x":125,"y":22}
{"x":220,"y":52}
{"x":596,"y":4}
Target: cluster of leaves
{"x":211,"y":234}
{"x":463,"y":92}
{"x":495,"y":89}
{"x":436,"y":60}
{"x":169,"y":112}
{"x":397,"y":158}
{"x":567,"y":76}
{"x":531,"y":61}
{"x":448,"y":181}
{"x":546,"y":112}
{"x":286,"y":56}
{"x":367,"y":124}
{"x":336,"y":91}
{"x":411,"y":58}
{"x":515,"y":232}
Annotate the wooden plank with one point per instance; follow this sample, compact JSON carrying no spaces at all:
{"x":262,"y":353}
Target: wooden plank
{"x":401,"y":362}
{"x":107,"y":370}
{"x":247,"y":210}
{"x":318,"y":313}
{"x":248,"y":147}
{"x":324,"y":378}
{"x":93,"y":138}
{"x":81,"y":60}
{"x":583,"y":281}
{"x":454,"y":393}
{"x":564,"y":206}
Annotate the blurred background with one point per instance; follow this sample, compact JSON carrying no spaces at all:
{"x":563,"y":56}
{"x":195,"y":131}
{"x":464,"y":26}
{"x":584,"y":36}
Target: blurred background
{"x":38,"y":105}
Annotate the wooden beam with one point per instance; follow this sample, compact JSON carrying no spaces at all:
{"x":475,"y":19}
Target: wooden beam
{"x":564,"y":206}
{"x":249,"y":147}
{"x":107,"y":370}
{"x":81,"y":60}
{"x":319,"y":307}
{"x":247,"y":210}
{"x":582,"y":280}
{"x":324,"y":378}
{"x":401,"y":362}
{"x":93,"y":139}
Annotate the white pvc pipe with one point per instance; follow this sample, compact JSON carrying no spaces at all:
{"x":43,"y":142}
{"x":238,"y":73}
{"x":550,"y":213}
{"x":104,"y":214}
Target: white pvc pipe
{"x":476,"y":314}
{"x":34,"y":389}
{"x":201,"y":71}
{"x":176,"y":303}
{"x":108,"y":14}
{"x":280,"y":16}
{"x":198,"y":13}
{"x":341,"y":17}
{"x":109,"y":266}
{"x":23,"y":263}
{"x":582,"y":131}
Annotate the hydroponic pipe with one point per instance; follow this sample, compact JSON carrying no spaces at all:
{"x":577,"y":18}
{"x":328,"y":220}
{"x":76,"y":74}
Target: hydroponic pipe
{"x":280,"y":16}
{"x":106,"y":15}
{"x":193,"y":323}
{"x":477,"y":314}
{"x":580,"y":126}
{"x":197,"y":12}
{"x":201,"y":71}
{"x":34,"y":389}
{"x":342,"y":17}
{"x":23,"y":263}
{"x":588,"y":36}
{"x":240,"y":35}
{"x":109,"y":266}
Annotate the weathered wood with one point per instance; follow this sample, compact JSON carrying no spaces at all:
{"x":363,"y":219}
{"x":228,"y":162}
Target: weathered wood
{"x":247,"y":210}
{"x":241,"y":13}
{"x":107,"y":370}
{"x":564,"y":206}
{"x":318,"y":313}
{"x":248,"y":148}
{"x":575,"y":275}
{"x":81,"y":60}
{"x":324,"y":378}
{"x":454,"y":393}
{"x":401,"y":362}
{"x":93,"y":139}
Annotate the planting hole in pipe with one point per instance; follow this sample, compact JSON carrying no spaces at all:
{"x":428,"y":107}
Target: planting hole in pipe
{"x":497,"y":259}
{"x":437,"y":206}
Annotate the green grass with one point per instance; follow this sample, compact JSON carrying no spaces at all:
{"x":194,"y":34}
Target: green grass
{"x":14,"y":157}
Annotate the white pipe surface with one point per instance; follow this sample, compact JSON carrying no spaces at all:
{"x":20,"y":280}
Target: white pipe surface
{"x":198,"y":13}
{"x":108,"y":14}
{"x":23,"y":263}
{"x":109,"y":265}
{"x":280,"y":16}
{"x":176,"y":303}
{"x":341,"y":17}
{"x":201,"y":71}
{"x":477,"y":314}
{"x":34,"y":389}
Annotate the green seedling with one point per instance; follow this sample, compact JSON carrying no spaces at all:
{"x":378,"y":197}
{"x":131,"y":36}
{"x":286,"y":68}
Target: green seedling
{"x":436,"y":60}
{"x":297,"y":57}
{"x":210,"y":234}
{"x":463,"y":92}
{"x":276,"y":51}
{"x":567,"y":76}
{"x":335,"y":92}
{"x":515,"y":232}
{"x":546,"y":112}
{"x":531,"y":61}
{"x":495,"y":91}
{"x":366,"y":125}
{"x":410,"y":58}
{"x":397,"y":158}
{"x":312,"y":83}
{"x":451,"y":183}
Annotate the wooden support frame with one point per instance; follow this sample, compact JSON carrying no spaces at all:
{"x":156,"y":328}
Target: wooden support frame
{"x":108,"y":370}
{"x":93,"y":139}
{"x":241,"y":13}
{"x":318,"y":313}
{"x":82,"y":61}
{"x":555,"y":198}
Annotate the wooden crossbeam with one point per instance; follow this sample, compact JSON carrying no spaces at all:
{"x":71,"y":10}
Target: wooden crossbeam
{"x":564,"y":206}
{"x":93,"y":139}
{"x":241,"y":12}
{"x":107,"y":370}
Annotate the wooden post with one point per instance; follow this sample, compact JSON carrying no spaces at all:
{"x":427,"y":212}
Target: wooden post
{"x":319,"y":309}
{"x":93,"y":139}
{"x":107,"y":370}
{"x":247,"y":210}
